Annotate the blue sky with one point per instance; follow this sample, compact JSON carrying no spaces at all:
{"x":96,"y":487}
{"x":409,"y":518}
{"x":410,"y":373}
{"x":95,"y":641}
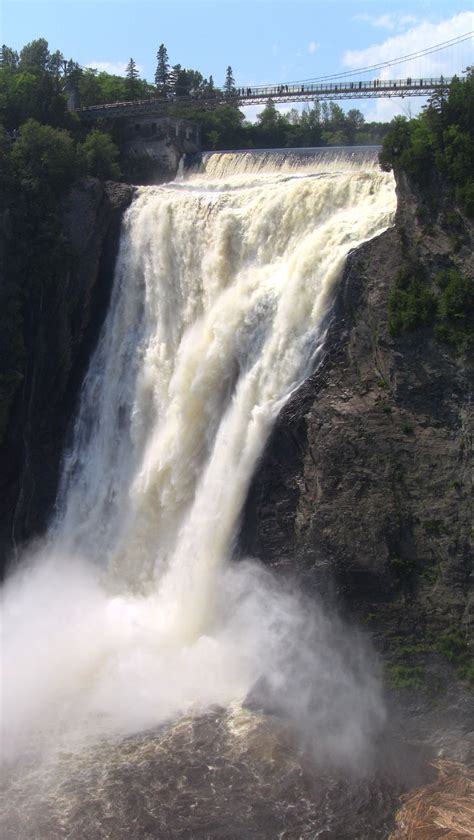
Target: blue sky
{"x":265,"y":42}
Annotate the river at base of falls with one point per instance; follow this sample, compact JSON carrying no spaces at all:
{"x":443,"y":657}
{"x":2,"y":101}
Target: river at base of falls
{"x":231,"y":774}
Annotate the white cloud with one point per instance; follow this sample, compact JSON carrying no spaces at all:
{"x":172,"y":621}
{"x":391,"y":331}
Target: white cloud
{"x":424,"y":34}
{"x":393,"y":20}
{"x":312,"y":47}
{"x":116,"y":68}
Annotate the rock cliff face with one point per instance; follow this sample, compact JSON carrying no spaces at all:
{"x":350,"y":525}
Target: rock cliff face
{"x":365,"y":487}
{"x":60,"y":340}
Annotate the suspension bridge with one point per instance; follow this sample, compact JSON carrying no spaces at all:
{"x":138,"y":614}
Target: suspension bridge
{"x":335,"y":87}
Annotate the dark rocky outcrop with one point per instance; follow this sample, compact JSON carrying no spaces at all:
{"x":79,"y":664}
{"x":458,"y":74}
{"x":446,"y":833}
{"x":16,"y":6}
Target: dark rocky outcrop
{"x":366,"y":484}
{"x":60,"y":339}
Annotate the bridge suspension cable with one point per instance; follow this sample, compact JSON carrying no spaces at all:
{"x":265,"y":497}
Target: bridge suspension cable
{"x":459,"y":39}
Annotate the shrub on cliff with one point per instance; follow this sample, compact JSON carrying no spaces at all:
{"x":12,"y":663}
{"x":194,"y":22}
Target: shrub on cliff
{"x":411,"y":304}
{"x":440,"y":142}
{"x":101,"y":155}
{"x":447,"y":304}
{"x":455,"y":309}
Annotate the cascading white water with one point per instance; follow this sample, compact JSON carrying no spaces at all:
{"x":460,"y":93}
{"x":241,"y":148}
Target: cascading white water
{"x":130,"y":612}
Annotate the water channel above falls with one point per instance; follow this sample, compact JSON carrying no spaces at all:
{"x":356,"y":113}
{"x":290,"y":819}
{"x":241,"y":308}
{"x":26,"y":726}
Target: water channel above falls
{"x":133,"y":642}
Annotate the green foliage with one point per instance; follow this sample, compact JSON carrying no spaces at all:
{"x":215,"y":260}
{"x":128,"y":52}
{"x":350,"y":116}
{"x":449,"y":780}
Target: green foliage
{"x":98,"y":88}
{"x":465,"y":195}
{"x":132,"y":79}
{"x":455,"y":323}
{"x":452,"y":644}
{"x":8,"y":58}
{"x":45,"y":159}
{"x":101,"y":155}
{"x":448,"y":305}
{"x":162,"y":71}
{"x":271,"y":126}
{"x":440,"y":141}
{"x":410,"y":145}
{"x":35,"y":56}
{"x":25,"y":94}
{"x":405,"y":676}
{"x":186,"y":84}
{"x":229,"y":84}
{"x":435,"y":527}
{"x":411,"y":303}
{"x":12,"y":349}
{"x":403,"y":568}
{"x":405,"y":671}
{"x":138,"y":169}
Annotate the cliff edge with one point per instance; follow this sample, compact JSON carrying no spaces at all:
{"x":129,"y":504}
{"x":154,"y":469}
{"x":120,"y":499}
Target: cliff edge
{"x":366,"y":484}
{"x":62,"y":323}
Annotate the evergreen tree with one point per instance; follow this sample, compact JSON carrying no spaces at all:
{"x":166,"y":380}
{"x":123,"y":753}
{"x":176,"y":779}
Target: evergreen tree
{"x":229,"y":84}
{"x":56,"y":63}
{"x":162,"y":73}
{"x":132,"y":79}
{"x":35,"y":56}
{"x":73,"y":72}
{"x":8,"y":57}
{"x":174,"y":78}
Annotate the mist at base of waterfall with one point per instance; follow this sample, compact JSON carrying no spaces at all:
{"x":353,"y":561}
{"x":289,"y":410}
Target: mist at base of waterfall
{"x":270,"y":725}
{"x":115,"y":665}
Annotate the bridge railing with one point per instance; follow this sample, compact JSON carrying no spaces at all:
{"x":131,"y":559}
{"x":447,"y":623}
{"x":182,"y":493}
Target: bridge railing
{"x":344,"y":86}
{"x":285,"y":92}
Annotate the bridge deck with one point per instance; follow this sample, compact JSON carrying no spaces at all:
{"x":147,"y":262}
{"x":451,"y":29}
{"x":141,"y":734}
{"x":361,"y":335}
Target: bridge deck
{"x":279,"y":93}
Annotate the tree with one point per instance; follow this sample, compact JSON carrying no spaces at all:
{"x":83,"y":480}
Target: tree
{"x":354,"y":122}
{"x":56,"y":63}
{"x":270,"y":126}
{"x":8,"y":58}
{"x":90,"y":89}
{"x":178,"y":81}
{"x":101,"y":155}
{"x":132,"y":79}
{"x":229,"y":84}
{"x":186,"y":83}
{"x":311,"y":124}
{"x":25,"y":94}
{"x":162,"y":71}
{"x":73,"y":72}
{"x":35,"y":56}
{"x":438,"y":144}
{"x":45,"y":159}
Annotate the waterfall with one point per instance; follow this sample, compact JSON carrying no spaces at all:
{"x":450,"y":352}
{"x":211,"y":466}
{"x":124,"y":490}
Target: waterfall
{"x":130,"y":612}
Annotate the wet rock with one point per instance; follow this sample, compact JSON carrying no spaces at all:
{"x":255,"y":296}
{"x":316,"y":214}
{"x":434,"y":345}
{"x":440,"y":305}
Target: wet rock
{"x":63,"y":337}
